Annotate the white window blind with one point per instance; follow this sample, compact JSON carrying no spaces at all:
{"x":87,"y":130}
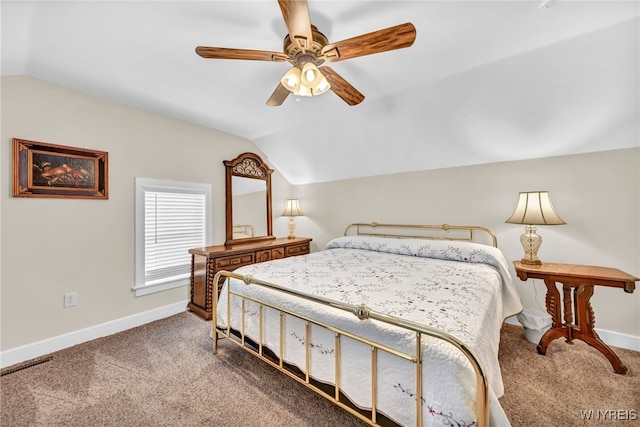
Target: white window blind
{"x":174,"y":218}
{"x":174,"y":223}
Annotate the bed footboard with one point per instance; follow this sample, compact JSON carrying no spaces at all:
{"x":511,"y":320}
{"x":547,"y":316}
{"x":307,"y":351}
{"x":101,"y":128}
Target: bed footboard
{"x":362,"y":312}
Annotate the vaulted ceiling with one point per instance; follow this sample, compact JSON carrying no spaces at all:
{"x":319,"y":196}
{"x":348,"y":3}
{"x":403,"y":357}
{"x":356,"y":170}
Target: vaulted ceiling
{"x":483,"y":82}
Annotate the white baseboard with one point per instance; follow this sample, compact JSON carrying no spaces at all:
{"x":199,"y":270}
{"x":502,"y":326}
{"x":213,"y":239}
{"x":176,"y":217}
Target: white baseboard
{"x":612,"y":338}
{"x":49,"y":345}
{"x":41,"y":348}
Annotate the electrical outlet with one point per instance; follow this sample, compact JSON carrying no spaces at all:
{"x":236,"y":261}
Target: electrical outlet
{"x":70,"y":299}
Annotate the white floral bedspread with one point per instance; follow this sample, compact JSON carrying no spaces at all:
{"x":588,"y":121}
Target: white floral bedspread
{"x":462,"y":288}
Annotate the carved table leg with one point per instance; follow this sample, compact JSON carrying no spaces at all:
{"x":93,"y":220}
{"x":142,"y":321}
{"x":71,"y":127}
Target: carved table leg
{"x":568,"y":313}
{"x":586,"y":322}
{"x":552,"y":301}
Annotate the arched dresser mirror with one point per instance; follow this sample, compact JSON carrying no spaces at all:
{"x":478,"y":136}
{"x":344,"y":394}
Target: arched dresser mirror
{"x":249,"y":235}
{"x":248,"y":200}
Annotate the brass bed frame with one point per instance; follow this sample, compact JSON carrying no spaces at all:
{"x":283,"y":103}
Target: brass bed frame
{"x":442,"y":232}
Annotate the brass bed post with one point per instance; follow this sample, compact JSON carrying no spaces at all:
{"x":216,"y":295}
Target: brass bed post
{"x":244,"y":311}
{"x":281,"y":339}
{"x":374,"y":383}
{"x":214,"y":317}
{"x":307,"y":349}
{"x":261,"y":324}
{"x":418,"y":379}
{"x":228,"y":309}
{"x":337,"y":366}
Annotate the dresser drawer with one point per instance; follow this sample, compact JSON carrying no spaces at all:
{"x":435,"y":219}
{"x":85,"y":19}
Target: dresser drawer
{"x":277,"y":253}
{"x":294,"y":250}
{"x":269,"y":254}
{"x":233,"y":262}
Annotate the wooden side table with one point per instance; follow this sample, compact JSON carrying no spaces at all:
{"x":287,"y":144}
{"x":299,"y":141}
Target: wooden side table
{"x":582,"y":279}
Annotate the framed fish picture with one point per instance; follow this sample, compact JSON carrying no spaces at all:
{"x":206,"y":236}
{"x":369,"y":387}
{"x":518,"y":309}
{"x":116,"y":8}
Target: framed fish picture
{"x":48,"y":170}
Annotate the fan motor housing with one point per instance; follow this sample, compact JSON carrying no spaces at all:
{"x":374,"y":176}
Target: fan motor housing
{"x":298,"y":56}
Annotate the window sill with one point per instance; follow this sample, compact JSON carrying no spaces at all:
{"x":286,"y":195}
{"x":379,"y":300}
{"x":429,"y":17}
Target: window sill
{"x":152,"y":289}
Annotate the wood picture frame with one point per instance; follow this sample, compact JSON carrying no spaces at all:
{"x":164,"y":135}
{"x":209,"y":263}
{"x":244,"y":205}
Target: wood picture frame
{"x":48,"y":170}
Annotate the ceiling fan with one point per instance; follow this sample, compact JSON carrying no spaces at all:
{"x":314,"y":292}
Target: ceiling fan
{"x":306,"y":49}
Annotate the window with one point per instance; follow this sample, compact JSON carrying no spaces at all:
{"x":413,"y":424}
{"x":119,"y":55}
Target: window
{"x":171,"y":217}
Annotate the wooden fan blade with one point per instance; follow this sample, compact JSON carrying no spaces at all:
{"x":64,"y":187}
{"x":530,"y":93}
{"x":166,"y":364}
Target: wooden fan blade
{"x":226,"y":53}
{"x":278,"y":96}
{"x":341,"y":87}
{"x":296,"y":17}
{"x":397,"y":37}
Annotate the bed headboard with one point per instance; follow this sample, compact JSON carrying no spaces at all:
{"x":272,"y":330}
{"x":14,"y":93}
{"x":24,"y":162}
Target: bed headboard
{"x":243,"y":230}
{"x":465,"y":233}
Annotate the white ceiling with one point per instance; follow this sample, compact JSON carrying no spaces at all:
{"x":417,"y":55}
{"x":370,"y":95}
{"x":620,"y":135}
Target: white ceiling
{"x":483,"y":82}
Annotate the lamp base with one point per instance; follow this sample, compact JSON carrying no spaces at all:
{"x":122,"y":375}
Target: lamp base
{"x":531,"y":242}
{"x":292,"y":228}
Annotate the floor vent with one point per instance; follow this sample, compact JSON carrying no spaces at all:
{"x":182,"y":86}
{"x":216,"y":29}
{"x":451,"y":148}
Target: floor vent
{"x":26,"y":365}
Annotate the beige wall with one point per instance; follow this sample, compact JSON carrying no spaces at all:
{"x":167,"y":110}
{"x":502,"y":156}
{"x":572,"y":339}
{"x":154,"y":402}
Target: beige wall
{"x":53,"y":246}
{"x":597,"y":194}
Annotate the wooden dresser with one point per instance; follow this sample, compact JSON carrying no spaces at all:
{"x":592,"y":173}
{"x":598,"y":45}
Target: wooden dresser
{"x":206,"y":262}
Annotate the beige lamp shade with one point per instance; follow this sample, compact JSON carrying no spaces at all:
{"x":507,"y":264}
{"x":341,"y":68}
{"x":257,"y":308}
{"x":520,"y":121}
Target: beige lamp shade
{"x":535,"y":208}
{"x":292,"y":208}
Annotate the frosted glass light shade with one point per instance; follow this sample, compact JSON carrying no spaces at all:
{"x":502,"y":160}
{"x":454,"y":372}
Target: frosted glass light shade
{"x":291,"y":80}
{"x":322,"y":86}
{"x":304,"y":90}
{"x":310,"y":74}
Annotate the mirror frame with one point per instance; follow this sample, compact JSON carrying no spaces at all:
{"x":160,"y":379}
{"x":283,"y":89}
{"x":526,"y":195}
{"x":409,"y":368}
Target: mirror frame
{"x":247,"y":165}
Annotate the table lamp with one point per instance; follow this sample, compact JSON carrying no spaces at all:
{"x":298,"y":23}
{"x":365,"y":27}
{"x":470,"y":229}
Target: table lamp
{"x":292,"y":209}
{"x":534,"y":208}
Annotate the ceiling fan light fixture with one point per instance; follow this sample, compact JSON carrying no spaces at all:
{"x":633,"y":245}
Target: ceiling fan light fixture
{"x":321,"y":87}
{"x":311,"y":76}
{"x":308,"y":81}
{"x":304,"y":90}
{"x":291,"y":80}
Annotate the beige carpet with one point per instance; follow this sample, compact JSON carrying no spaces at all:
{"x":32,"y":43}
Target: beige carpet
{"x":163,"y":374}
{"x":553,"y":389}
